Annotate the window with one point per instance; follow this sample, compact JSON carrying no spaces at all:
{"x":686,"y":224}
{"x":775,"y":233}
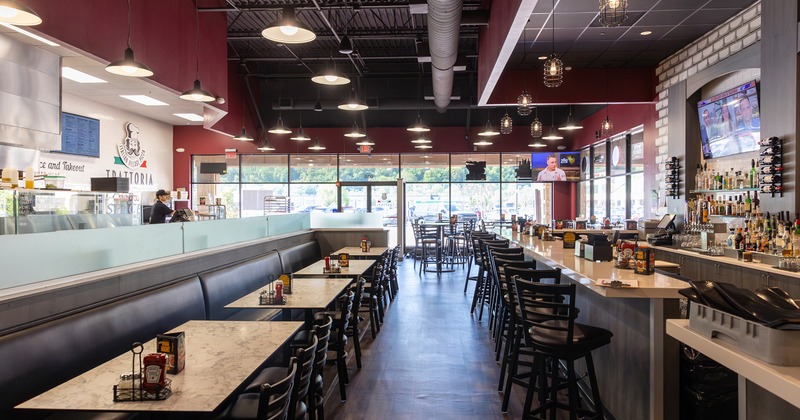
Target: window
{"x":368,"y":168}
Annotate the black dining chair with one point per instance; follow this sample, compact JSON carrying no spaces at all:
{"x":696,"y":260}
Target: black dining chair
{"x":271,"y":402}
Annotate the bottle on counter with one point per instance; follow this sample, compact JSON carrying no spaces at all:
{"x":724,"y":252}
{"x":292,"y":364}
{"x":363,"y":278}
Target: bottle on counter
{"x":29,"y":178}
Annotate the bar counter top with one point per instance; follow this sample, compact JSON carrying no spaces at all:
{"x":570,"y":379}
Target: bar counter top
{"x":588,"y":273}
{"x":767,"y":268}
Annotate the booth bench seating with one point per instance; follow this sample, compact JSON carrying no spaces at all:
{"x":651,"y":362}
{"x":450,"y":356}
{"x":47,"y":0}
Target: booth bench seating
{"x":41,"y":356}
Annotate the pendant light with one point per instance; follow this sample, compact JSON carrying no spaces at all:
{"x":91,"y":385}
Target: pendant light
{"x":265,"y":146}
{"x":288,"y":30}
{"x":506,"y":124}
{"x":483,"y":142}
{"x":316,"y":146}
{"x":553,"y":67}
{"x":570,"y":125}
{"x":355,"y":133}
{"x":607,"y":126}
{"x":537,"y":144}
{"x":300,"y":135}
{"x":552,"y":135}
{"x":345,"y":45}
{"x":353,"y":103}
{"x":423,"y":146}
{"x":279,"y":128}
{"x":243,"y":136}
{"x":14,"y":13}
{"x":419,"y":126}
{"x":536,"y":125}
{"x":365,"y":142}
{"x":329,"y":76}
{"x":128,"y":66}
{"x":524,"y":100}
{"x":318,"y":105}
{"x":613,"y":12}
{"x":197,"y":94}
{"x":488,"y":129}
{"x":421,"y":140}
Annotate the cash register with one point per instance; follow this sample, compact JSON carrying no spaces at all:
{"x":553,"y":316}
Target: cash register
{"x":665,"y":230}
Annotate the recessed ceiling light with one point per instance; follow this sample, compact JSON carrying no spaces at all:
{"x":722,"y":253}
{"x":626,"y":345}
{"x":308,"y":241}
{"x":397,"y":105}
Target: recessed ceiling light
{"x":180,"y":150}
{"x":190,"y":117}
{"x":30,"y":34}
{"x":542,"y":57}
{"x":144,"y":100}
{"x":645,"y":33}
{"x":79,"y":76}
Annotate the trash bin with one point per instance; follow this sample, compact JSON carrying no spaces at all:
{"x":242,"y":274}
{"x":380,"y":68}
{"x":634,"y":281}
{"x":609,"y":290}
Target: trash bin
{"x":709,"y":391}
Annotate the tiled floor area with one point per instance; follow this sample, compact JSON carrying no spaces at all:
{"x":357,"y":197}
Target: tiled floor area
{"x":431,"y":359}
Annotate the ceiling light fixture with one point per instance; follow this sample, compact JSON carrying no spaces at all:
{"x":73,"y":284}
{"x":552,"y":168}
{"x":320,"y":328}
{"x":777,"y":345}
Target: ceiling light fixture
{"x":329,"y":76}
{"x":645,"y":33}
{"x":316,"y":146}
{"x":279,"y":128}
{"x":570,"y":125}
{"x":613,"y":12}
{"x":488,"y":130}
{"x":524,"y":100}
{"x":553,"y":68}
{"x":128,"y":66}
{"x":318,"y":106}
{"x":506,"y":124}
{"x":421,"y":140}
{"x":355,"y":133}
{"x":29,"y":34}
{"x":288,"y":30}
{"x":300,"y":136}
{"x":607,"y":126}
{"x":423,"y":146}
{"x":144,"y":100}
{"x":537,"y":144}
{"x":15,"y":13}
{"x":196,"y":93}
{"x":243,"y":136}
{"x":265,"y":145}
{"x":79,"y":76}
{"x":483,"y":142}
{"x":536,"y":125}
{"x":353,"y":103}
{"x":419,"y":126}
{"x":189,"y":116}
{"x":365,"y":142}
{"x":552,"y":135}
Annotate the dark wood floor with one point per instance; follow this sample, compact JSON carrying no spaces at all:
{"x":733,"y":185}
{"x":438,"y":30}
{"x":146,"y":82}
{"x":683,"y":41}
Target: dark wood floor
{"x":431,"y":359}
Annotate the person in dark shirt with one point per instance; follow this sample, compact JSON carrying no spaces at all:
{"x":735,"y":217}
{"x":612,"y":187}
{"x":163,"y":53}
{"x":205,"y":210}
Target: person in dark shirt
{"x":160,"y":210}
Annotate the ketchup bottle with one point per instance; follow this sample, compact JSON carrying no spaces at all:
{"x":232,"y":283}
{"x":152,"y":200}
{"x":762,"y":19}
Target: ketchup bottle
{"x":155,"y":366}
{"x":279,"y":291}
{"x":328,"y":263}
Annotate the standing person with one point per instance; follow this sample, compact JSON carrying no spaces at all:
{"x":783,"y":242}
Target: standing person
{"x":552,"y":172}
{"x":161,"y":210}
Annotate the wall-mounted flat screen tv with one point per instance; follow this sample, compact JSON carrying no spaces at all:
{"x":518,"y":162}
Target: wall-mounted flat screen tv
{"x":560,"y":166}
{"x":80,"y":135}
{"x":730,"y":122}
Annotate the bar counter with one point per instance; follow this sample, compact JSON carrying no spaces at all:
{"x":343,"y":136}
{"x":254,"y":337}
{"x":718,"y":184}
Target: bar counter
{"x":638,"y":371}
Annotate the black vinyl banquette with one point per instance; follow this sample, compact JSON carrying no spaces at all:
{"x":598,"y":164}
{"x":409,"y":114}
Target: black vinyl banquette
{"x":41,"y":356}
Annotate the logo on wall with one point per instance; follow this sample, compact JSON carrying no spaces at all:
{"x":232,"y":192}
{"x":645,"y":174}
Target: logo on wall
{"x":130,"y":151}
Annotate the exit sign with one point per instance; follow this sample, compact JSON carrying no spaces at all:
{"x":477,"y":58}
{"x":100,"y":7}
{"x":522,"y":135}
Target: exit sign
{"x":364,"y":149}
{"x":230,"y":155}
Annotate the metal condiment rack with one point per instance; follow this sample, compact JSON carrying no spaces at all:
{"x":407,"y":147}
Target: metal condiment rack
{"x":136,"y":392}
{"x":270,"y":299}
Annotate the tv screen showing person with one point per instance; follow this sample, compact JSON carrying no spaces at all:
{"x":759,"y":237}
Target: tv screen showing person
{"x":552,"y":172}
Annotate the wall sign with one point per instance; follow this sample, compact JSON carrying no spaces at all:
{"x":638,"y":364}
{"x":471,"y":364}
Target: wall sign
{"x":130,"y":151}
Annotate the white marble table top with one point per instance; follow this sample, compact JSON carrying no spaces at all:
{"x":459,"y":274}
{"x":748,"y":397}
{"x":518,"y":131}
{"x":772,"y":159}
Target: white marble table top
{"x":220,"y":355}
{"x":357,"y":268}
{"x":783,"y":381}
{"x":587,"y":273}
{"x":307,"y":293}
{"x":355,"y":251}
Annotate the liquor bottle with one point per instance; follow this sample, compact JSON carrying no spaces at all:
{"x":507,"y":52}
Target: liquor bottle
{"x":756,"y":203}
{"x":698,"y":178}
{"x":725,"y":184}
{"x":753,"y":174}
{"x":771,"y":141}
{"x":671,"y":164}
{"x":748,"y":204}
{"x":771,"y":188}
{"x":770,"y":169}
{"x":738,"y":238}
{"x":770,"y":179}
{"x":769,"y":160}
{"x":770,"y":151}
{"x":704,"y":212}
{"x":796,"y":238}
{"x":729,"y":207}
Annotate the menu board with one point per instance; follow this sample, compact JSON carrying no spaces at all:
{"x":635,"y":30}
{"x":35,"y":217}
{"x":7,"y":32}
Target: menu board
{"x":80,"y":135}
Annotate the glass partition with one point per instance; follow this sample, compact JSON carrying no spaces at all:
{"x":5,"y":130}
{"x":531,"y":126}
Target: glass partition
{"x":346,"y":220}
{"x":199,"y":236}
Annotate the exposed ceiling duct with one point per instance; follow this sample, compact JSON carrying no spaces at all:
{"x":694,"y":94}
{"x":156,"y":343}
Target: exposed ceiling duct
{"x":444,"y":23}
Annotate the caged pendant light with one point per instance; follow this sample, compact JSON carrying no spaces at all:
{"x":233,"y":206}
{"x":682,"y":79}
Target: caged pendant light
{"x":196,"y":93}
{"x":128,"y":66}
{"x":524,"y":100}
{"x":613,"y":12}
{"x":553,"y":67}
{"x":607,"y":126}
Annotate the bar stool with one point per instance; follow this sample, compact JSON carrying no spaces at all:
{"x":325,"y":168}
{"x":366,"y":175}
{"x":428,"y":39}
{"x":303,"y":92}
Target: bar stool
{"x":548,"y":316}
{"x":474,"y":257}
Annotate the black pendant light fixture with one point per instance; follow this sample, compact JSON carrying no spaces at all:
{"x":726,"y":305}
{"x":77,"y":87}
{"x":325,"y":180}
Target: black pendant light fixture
{"x":300,"y":135}
{"x":613,"y":12}
{"x":329,"y":76}
{"x":196,"y":93}
{"x":488,"y":129}
{"x":288,"y":30}
{"x":316,"y":146}
{"x":128,"y":66}
{"x":353,"y":103}
{"x":355,"y":132}
{"x":345,"y":45}
{"x":15,"y":13}
{"x":553,"y":67}
{"x":265,"y":146}
{"x":243,"y":136}
{"x":419,"y":126}
{"x":552,"y":135}
{"x":279,"y":128}
{"x":570,"y":124}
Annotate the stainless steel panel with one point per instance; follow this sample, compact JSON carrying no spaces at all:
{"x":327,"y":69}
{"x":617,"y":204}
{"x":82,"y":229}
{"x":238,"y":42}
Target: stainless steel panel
{"x":18,"y":157}
{"x":29,"y":83}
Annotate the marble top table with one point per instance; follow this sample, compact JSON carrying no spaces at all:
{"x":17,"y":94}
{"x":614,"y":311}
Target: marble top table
{"x":356,"y":253}
{"x":220,"y":356}
{"x":308,"y":293}
{"x":356,"y":269}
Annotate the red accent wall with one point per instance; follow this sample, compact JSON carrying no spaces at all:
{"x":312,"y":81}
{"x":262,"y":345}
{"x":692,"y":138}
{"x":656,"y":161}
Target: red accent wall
{"x":564,"y":200}
{"x":492,"y":37}
{"x":162,"y":36}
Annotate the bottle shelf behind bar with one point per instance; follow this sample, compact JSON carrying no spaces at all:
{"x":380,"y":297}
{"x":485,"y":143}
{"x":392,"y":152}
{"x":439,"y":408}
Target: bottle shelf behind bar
{"x":723,"y":191}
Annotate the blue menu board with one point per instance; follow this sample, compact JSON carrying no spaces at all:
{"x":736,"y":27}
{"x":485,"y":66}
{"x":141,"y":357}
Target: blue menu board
{"x":80,"y":135}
